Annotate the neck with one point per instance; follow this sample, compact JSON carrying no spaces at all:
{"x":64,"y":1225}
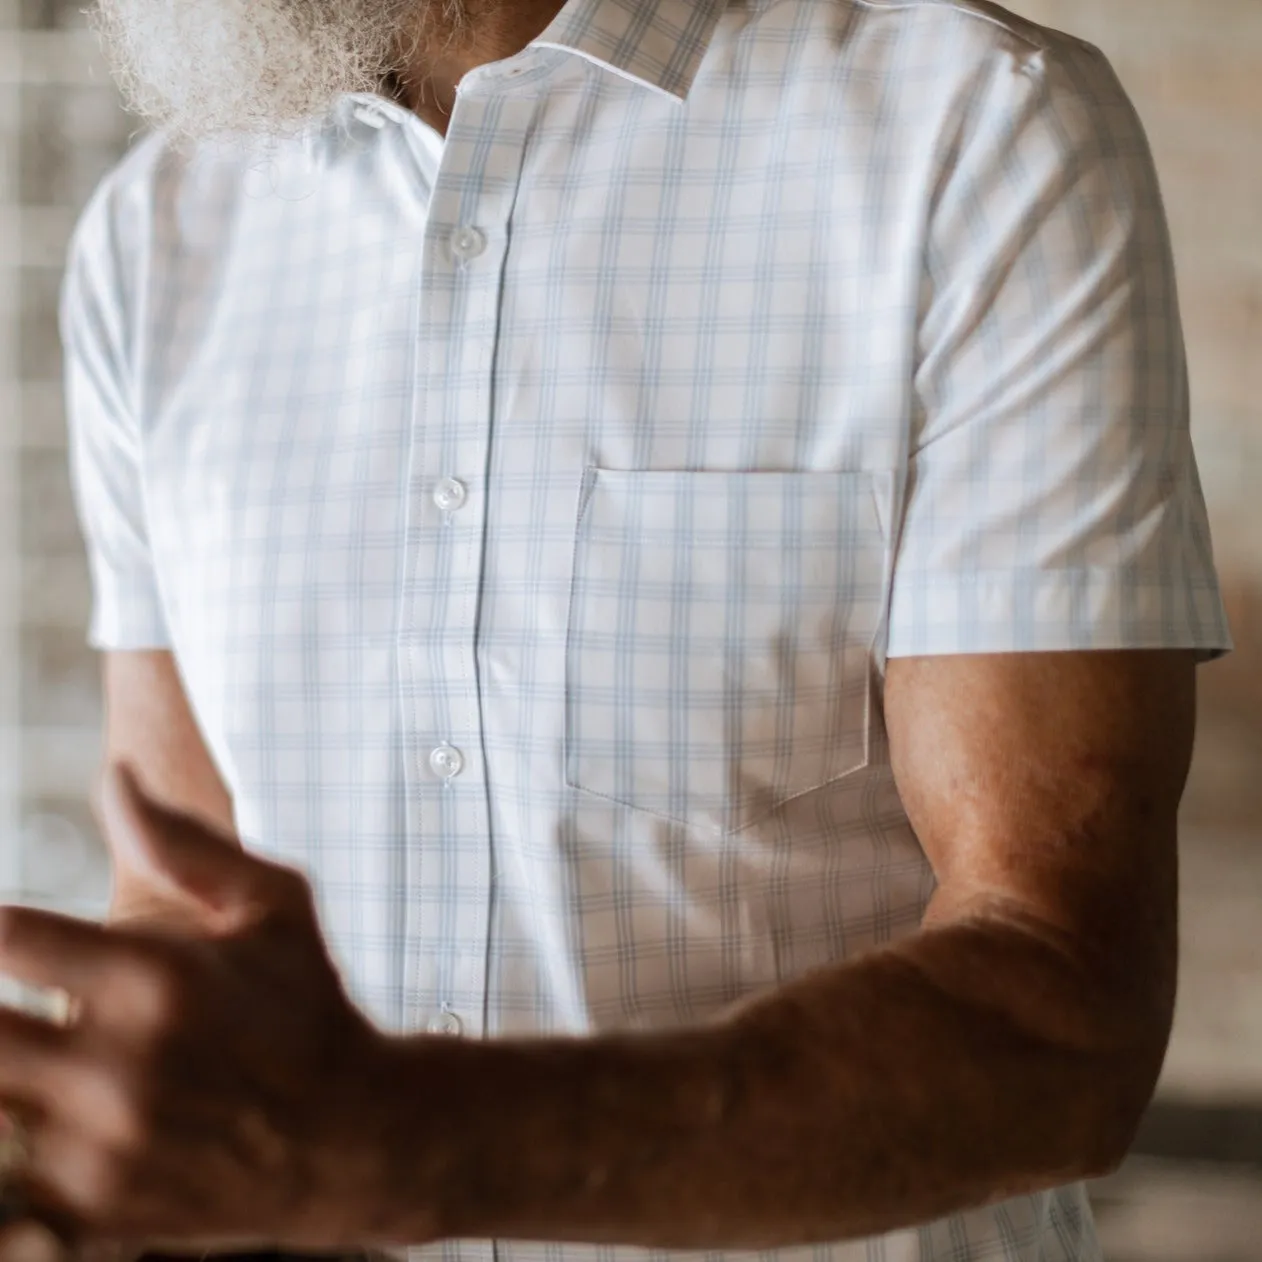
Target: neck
{"x":445,"y":51}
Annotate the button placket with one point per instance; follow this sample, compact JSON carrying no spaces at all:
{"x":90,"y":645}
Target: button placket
{"x":449,"y":870}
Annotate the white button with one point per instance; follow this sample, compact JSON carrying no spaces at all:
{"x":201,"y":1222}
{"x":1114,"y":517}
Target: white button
{"x":467,"y":242}
{"x":369,"y":117}
{"x":450,"y":495}
{"x":446,"y":1022}
{"x":445,"y":762}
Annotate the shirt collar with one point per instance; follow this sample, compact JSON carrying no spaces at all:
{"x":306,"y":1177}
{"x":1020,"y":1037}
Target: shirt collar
{"x":659,"y":43}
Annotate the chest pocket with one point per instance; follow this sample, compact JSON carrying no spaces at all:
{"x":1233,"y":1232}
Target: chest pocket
{"x":719,"y":654}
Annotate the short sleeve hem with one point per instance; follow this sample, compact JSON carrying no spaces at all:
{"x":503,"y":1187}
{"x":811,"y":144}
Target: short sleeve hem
{"x":1071,"y":610}
{"x":131,"y":620}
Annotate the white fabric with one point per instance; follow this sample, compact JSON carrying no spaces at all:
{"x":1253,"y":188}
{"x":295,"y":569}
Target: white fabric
{"x":531,"y":513}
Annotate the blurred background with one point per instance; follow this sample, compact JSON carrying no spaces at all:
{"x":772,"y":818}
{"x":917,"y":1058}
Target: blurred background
{"x":1192,"y":1192}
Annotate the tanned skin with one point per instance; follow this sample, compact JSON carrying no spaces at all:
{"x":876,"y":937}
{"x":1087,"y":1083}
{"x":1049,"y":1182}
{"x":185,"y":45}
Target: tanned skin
{"x":150,"y":727}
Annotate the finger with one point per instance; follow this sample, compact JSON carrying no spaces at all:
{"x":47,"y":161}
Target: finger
{"x":189,"y":859}
{"x":32,"y":1060}
{"x":42,"y":1193}
{"x":27,"y":1241}
{"x":84,"y":967}
{"x":58,"y":952}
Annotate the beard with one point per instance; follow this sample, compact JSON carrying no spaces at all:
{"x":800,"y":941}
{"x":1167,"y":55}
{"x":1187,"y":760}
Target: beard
{"x":203,"y":68}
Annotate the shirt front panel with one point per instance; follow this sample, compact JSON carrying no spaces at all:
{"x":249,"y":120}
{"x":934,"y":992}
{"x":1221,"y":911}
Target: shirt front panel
{"x":304,"y":420}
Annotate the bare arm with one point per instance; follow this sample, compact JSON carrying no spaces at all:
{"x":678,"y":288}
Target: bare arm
{"x":1010,"y":1045}
{"x":150,"y":727}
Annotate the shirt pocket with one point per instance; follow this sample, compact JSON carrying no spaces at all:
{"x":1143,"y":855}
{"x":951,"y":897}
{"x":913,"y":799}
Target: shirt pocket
{"x":721,"y":636}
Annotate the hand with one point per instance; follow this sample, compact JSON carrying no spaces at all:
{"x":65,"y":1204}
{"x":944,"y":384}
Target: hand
{"x":211,"y":1092}
{"x":141,"y":898}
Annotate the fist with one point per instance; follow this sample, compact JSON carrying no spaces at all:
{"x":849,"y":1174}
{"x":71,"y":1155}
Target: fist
{"x":214,"y":1088}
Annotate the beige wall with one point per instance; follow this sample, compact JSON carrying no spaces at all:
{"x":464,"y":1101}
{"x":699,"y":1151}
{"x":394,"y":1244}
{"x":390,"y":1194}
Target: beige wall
{"x":60,"y":129}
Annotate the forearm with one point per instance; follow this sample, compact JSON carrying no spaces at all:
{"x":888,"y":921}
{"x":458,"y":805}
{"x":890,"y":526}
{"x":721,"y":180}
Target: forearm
{"x":866,"y":1097}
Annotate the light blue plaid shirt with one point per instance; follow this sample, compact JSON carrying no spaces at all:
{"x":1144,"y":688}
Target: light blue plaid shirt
{"x":531,"y":513}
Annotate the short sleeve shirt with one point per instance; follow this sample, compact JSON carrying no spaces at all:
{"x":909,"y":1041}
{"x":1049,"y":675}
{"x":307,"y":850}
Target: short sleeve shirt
{"x":532,"y":512}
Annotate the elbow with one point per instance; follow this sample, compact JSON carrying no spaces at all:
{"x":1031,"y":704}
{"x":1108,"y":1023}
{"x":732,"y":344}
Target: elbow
{"x":1116,"y":1030}
{"x":1092,"y":1118}
{"x":1117,"y":1095}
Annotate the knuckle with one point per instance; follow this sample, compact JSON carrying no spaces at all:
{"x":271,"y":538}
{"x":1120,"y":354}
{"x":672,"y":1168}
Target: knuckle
{"x":295,"y":884}
{"x":114,"y":1107}
{"x":150,"y":988}
{"x":288,"y":892}
{"x":163,"y":992}
{"x":99,"y":1187}
{"x":28,"y":1241}
{"x":85,"y":1180}
{"x":123,"y":1123}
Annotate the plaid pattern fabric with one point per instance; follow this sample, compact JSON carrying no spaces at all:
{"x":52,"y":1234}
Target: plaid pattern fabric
{"x":532,"y":512}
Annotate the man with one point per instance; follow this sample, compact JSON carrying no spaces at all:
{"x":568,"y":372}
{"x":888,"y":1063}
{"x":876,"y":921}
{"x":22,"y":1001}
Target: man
{"x":679,"y":519}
